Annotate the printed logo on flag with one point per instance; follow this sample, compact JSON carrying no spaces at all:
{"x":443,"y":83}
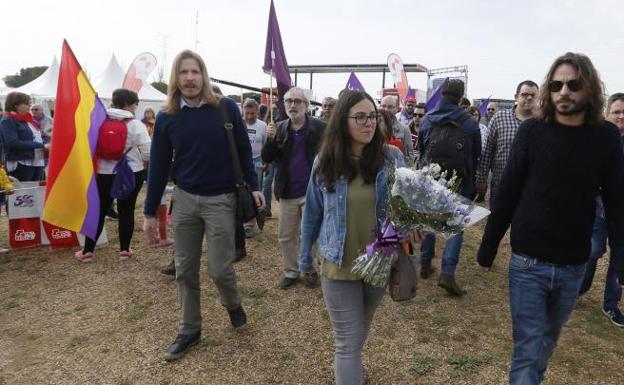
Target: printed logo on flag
{"x":58,"y":236}
{"x":24,"y":232}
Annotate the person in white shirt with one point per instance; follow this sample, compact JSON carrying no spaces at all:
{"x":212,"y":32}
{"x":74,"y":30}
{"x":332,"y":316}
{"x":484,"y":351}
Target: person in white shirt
{"x":137,"y":151}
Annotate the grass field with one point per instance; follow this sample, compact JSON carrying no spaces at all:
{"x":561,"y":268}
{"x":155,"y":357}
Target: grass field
{"x":109,"y":322}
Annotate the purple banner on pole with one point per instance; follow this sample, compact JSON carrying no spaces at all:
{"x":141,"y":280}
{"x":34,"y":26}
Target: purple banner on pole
{"x":354,"y":83}
{"x":435,"y":97}
{"x":275,"y":60}
{"x":483,"y":106}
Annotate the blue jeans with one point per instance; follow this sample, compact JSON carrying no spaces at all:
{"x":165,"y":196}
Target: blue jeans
{"x":612,"y":291}
{"x":267,"y":185}
{"x":450,"y":256}
{"x":541,"y":297}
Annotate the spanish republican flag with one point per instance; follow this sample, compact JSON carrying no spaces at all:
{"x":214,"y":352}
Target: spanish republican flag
{"x":72,"y":201}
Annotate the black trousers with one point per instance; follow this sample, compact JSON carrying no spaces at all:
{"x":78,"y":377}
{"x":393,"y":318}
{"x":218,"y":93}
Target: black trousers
{"x":125,"y":208}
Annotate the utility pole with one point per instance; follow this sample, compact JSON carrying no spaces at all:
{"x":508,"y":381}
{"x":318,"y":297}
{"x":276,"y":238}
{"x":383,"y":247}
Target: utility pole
{"x":163,"y":62}
{"x":196,"y":25}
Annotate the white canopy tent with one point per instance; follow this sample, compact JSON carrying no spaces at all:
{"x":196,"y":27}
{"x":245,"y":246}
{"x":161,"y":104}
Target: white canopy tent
{"x":43,"y":88}
{"x":113,"y":77}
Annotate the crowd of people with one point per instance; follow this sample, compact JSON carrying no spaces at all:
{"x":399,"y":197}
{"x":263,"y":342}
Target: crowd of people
{"x":553,"y":166}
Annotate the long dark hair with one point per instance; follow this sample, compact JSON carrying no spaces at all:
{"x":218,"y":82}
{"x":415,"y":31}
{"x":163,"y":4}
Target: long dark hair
{"x":335,"y":158}
{"x":591,"y":83}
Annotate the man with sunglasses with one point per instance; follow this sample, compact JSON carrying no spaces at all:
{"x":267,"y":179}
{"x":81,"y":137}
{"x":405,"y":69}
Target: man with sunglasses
{"x":612,"y":290}
{"x":292,"y":145}
{"x":557,"y":165}
{"x":414,"y":126}
{"x":501,"y":132}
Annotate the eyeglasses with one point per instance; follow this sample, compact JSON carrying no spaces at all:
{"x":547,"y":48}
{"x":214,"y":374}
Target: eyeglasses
{"x":574,"y":85}
{"x":296,"y":102}
{"x":362,"y":119}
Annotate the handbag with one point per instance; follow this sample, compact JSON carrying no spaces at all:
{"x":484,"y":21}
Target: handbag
{"x":404,"y":275}
{"x":246,"y":208}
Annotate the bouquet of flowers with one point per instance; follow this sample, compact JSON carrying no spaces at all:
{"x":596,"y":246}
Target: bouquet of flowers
{"x":422,"y":199}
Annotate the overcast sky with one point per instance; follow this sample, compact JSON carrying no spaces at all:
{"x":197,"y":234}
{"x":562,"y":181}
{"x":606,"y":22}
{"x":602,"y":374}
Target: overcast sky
{"x":501,"y":42}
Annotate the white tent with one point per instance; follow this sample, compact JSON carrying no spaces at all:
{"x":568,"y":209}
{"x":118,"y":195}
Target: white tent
{"x":44,"y":86}
{"x":113,"y":77}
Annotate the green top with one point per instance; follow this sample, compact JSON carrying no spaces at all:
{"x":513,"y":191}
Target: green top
{"x":361,"y":222}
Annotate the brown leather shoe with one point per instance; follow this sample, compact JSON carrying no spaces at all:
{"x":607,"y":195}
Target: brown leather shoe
{"x":447,"y":282}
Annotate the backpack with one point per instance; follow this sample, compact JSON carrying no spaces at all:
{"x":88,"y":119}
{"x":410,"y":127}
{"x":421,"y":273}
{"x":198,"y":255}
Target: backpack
{"x":123,"y":182}
{"x":112,"y":139}
{"x":447,"y":146}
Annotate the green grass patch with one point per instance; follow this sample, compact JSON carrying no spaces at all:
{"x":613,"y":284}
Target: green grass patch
{"x":467,"y":363}
{"x":423,"y":364}
{"x":138,"y":310}
{"x":253,"y":292}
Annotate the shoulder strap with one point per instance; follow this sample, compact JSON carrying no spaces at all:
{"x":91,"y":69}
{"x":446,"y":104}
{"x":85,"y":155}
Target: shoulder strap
{"x":230,"y":135}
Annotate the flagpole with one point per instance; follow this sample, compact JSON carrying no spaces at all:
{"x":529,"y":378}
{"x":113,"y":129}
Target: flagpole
{"x":271,"y":86}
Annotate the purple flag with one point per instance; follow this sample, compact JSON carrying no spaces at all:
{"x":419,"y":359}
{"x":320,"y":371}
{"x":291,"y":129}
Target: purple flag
{"x":483,"y":106}
{"x":435,"y":97}
{"x":275,"y":60}
{"x":354,"y":83}
{"x":411,"y":93}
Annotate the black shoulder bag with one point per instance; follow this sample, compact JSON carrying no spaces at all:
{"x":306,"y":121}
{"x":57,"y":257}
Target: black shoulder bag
{"x":246,"y":208}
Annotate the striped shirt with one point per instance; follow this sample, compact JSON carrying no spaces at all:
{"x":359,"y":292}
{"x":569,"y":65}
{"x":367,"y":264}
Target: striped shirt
{"x":501,"y":133}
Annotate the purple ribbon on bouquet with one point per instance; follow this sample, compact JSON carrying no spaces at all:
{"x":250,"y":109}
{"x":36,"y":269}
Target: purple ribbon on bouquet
{"x":387,"y":239}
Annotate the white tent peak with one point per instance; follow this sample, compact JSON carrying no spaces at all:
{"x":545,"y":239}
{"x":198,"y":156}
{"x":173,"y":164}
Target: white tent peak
{"x":44,"y":86}
{"x":113,"y":77}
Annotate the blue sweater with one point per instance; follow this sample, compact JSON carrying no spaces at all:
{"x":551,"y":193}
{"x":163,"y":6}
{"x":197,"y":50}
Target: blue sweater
{"x":17,"y":140}
{"x":203,"y":163}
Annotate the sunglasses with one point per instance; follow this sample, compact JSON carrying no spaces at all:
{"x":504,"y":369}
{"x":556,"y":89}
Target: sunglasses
{"x":574,"y":85}
{"x":419,"y":115}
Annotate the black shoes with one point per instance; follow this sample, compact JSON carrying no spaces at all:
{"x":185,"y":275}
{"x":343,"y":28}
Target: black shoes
{"x":180,"y":346}
{"x":311,"y":280}
{"x":288,"y":282}
{"x":447,"y":282}
{"x":169,"y":269}
{"x":426,"y":271}
{"x":238,"y":318}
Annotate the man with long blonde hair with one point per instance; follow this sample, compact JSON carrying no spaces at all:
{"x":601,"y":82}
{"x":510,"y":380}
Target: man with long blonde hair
{"x":192,"y":126}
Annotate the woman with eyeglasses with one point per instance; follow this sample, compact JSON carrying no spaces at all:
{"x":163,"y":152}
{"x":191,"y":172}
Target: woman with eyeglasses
{"x":23,"y":140}
{"x":345,"y":203}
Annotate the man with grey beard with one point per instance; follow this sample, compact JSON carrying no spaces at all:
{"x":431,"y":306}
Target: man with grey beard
{"x":292,"y":145}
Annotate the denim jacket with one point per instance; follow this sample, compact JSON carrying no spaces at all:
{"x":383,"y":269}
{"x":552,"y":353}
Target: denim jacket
{"x":325,"y":213}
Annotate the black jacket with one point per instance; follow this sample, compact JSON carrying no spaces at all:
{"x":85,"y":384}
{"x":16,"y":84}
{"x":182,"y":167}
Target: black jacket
{"x":278,"y":150}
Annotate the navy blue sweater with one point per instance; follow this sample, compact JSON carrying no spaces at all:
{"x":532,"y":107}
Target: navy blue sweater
{"x":203,"y":163}
{"x":548,"y":194}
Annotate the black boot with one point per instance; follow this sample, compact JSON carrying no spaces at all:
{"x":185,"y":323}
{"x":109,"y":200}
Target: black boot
{"x":169,"y":269}
{"x":447,"y":282}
